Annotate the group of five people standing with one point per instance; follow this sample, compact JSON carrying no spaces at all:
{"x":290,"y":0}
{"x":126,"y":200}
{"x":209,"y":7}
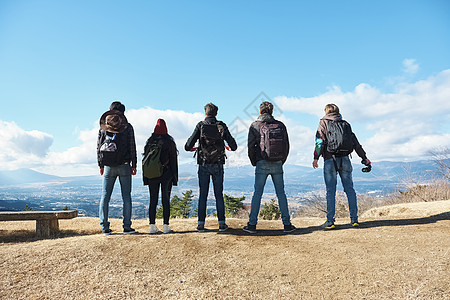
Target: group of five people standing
{"x":268,"y":149}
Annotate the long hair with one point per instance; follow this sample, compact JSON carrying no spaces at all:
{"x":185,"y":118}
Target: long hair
{"x":154,"y":137}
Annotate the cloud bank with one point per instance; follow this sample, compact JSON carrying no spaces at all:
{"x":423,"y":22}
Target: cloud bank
{"x":401,"y":125}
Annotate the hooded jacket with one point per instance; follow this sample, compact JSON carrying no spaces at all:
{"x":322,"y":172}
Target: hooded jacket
{"x":254,"y":138}
{"x":322,"y":138}
{"x":190,"y":143}
{"x":168,"y":157}
{"x":128,"y":149}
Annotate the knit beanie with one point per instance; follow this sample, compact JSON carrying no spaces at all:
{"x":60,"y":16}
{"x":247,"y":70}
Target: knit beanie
{"x":160,"y":127}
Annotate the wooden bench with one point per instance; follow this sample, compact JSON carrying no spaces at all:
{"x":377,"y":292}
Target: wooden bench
{"x":46,"y":221}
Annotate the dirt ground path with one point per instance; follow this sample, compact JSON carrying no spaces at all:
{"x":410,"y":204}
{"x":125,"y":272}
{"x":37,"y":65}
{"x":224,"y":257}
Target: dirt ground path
{"x":386,"y":258}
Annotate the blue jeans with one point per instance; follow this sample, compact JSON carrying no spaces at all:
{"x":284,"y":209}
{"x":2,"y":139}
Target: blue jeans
{"x":205,"y":172}
{"x":275,"y":170}
{"x":109,"y":178}
{"x":345,"y":172}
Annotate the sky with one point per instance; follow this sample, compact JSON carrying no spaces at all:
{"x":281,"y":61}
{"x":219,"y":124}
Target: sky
{"x":386,"y":64}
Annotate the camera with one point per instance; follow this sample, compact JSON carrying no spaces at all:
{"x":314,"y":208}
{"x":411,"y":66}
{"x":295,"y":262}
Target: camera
{"x":368,"y":168}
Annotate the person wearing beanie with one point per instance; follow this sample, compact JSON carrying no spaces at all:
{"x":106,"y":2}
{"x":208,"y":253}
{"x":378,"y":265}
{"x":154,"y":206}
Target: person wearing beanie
{"x":161,"y":141}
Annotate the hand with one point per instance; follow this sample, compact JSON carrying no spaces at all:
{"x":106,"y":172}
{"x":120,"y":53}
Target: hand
{"x":102,"y":170}
{"x":193,"y":149}
{"x":133,"y":171}
{"x":367,"y":162}
{"x":315,"y":164}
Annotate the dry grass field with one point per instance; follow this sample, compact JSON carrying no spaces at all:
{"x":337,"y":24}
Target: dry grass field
{"x":401,"y":255}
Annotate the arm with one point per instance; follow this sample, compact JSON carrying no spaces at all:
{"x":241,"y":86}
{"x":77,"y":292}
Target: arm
{"x":229,"y":138}
{"x":252,"y":143}
{"x":132,"y":149}
{"x":193,"y":138}
{"x":318,"y":148}
{"x":99,"y":144}
{"x":287,"y":144}
{"x":319,"y":142}
{"x":173,"y":162}
{"x":359,"y":149}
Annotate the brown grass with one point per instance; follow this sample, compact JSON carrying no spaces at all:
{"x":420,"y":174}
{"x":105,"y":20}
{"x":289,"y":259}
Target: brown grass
{"x":409,"y":192}
{"x":387,"y":258}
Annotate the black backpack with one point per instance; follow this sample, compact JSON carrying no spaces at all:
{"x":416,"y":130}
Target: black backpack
{"x":340,"y":138}
{"x":273,"y":141}
{"x":211,"y":145}
{"x":113,"y":149}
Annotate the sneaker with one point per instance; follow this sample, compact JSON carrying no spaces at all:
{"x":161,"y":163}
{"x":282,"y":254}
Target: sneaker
{"x":153,"y":228}
{"x":250,"y":228}
{"x":129,"y":231}
{"x":201,"y":228}
{"x":107,"y":231}
{"x":289,"y":228}
{"x":328,"y":225}
{"x":223,"y":227}
{"x":166,"y":228}
{"x":355,"y":224}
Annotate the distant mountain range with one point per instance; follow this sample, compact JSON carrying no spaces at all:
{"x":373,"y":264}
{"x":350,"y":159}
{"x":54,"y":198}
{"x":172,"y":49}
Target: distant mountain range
{"x":383,"y":175}
{"x":47,"y":192}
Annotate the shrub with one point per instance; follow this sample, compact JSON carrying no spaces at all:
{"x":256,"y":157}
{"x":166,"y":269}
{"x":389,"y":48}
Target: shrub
{"x":270,"y":211}
{"x":28,"y":208}
{"x":233,"y":205}
{"x":316,"y":205}
{"x":434,"y":191}
{"x":179,"y":207}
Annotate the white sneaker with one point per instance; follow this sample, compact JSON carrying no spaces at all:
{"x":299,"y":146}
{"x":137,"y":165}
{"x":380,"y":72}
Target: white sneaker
{"x":166,"y":228}
{"x":153,"y":228}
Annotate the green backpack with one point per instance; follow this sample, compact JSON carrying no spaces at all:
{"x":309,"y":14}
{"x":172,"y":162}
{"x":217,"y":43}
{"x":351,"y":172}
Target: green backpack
{"x":151,"y":163}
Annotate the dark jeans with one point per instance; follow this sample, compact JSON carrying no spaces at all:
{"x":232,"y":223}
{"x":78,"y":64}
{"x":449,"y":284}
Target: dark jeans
{"x":165,"y":183}
{"x":205,"y":172}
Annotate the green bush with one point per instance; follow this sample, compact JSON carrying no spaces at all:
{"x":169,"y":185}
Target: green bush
{"x":270,"y":211}
{"x":179,"y":207}
{"x":28,"y":208}
{"x":232,"y":205}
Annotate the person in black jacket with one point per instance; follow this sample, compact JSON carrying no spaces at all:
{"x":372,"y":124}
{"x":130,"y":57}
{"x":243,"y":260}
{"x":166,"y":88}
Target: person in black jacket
{"x":268,"y":165}
{"x":169,"y":178}
{"x":211,"y":135}
{"x":116,"y":155}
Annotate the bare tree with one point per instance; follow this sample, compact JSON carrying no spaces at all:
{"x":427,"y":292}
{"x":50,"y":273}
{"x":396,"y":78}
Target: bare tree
{"x":441,"y":158}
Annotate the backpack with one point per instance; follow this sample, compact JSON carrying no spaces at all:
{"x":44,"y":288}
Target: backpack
{"x":112,"y":149}
{"x":273,"y":141}
{"x":151,"y":163}
{"x":340,"y":138}
{"x":211,"y":144}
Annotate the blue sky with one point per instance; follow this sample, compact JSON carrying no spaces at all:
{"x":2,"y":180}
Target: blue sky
{"x":385,"y":63}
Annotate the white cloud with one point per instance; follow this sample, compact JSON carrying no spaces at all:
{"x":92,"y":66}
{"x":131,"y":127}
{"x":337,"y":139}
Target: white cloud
{"x":406,"y":123}
{"x":20,"y":147}
{"x":401,"y":125}
{"x":82,"y":160}
{"x":410,"y":66}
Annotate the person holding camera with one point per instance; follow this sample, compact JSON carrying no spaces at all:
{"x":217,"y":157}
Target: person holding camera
{"x":335,"y":141}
